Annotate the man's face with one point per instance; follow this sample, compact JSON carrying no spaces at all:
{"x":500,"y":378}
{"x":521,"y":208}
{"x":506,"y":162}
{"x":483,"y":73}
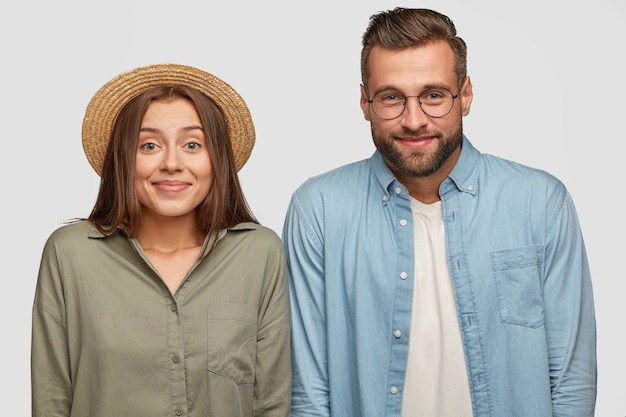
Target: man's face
{"x":415,"y":144}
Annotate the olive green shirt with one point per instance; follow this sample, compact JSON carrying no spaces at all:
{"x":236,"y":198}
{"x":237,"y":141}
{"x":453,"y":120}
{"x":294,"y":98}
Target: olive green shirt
{"x":110,"y":340}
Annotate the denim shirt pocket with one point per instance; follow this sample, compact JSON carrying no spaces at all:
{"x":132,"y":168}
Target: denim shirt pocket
{"x":231,"y":342}
{"x":518,"y":285}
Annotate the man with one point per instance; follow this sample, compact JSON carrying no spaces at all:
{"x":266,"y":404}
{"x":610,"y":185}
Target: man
{"x":430,"y":279}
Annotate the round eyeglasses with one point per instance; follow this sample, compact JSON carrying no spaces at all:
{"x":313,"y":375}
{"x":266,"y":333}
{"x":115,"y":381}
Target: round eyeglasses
{"x":434,"y":102}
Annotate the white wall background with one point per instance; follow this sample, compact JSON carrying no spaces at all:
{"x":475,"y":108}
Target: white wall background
{"x":548,"y":85}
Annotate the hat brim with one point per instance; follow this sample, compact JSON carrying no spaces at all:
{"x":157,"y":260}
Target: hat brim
{"x":105,"y":105}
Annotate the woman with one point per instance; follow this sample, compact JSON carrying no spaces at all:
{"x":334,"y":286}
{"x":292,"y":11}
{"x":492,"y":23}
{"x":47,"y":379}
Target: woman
{"x":169,"y":299}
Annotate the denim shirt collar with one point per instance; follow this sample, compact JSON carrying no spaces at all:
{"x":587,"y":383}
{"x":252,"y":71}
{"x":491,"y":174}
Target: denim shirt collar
{"x":464,"y":175}
{"x":385,"y":177}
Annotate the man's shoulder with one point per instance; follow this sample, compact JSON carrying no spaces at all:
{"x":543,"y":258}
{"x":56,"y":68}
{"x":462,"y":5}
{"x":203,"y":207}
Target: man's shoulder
{"x":506,"y":168}
{"x":339,"y":178}
{"x":334,"y":190}
{"x":519,"y":183}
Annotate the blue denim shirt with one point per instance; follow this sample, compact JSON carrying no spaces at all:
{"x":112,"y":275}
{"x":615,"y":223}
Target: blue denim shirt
{"x":520,"y":276}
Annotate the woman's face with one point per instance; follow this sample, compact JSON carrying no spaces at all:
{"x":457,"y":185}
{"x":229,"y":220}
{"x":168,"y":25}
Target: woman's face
{"x":173,"y":172}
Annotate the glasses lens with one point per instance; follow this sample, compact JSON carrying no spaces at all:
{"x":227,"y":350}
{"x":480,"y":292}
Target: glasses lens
{"x":436,"y":102}
{"x":388,"y":104}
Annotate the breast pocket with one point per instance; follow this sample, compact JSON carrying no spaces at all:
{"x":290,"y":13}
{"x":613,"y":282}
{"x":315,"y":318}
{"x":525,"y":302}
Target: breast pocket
{"x":518,"y":284}
{"x":231,"y":341}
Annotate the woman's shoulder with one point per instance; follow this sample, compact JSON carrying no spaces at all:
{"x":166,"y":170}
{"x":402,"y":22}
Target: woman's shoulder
{"x":74,"y":229}
{"x":254,"y":235}
{"x":258,"y":231}
{"x":75,"y":233}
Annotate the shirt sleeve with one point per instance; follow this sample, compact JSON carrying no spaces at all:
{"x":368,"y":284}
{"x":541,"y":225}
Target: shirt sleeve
{"x":305,"y":256}
{"x":569,"y":316}
{"x":51,"y":390}
{"x":273,"y":374}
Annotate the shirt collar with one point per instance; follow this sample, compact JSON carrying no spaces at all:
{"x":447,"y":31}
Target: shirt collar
{"x":96,"y":234}
{"x":464,"y":175}
{"x":382,"y":171}
{"x":208,"y":241}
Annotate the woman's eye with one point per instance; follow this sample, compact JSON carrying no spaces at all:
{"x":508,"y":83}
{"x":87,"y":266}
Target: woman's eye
{"x":148,"y":146}
{"x":192,"y":146}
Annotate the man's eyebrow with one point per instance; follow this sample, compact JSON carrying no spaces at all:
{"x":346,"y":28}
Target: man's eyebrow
{"x":399,"y":90}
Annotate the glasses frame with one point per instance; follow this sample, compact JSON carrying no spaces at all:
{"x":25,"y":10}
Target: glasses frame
{"x":419,"y":101}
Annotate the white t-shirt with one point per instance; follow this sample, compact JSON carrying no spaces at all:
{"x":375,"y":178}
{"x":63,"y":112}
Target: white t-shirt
{"x":436,"y":381}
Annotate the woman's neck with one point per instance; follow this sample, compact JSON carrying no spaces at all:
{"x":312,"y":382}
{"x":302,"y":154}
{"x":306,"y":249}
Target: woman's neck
{"x":170,"y":234}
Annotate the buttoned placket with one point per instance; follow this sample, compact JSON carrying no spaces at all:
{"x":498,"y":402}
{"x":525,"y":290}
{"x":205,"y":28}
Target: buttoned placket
{"x":178,"y":387}
{"x":452,"y":200}
{"x":398,"y":202}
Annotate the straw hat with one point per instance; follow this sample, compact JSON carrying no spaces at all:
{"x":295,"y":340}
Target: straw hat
{"x":105,"y":105}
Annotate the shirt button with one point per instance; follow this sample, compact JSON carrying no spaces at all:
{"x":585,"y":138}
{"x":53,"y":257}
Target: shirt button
{"x":173,"y":308}
{"x":385,"y":197}
{"x":179,"y":411}
{"x":393,"y":390}
{"x":470,"y":188}
{"x":403,"y":275}
{"x":403,"y":222}
{"x":397,"y":333}
{"x":397,"y":190}
{"x":175,"y":358}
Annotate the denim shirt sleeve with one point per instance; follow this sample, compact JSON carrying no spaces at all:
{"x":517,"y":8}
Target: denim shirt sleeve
{"x":306,"y":265}
{"x":569,"y":315}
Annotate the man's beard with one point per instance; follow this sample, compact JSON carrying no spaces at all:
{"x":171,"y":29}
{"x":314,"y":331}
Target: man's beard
{"x":418,"y":163}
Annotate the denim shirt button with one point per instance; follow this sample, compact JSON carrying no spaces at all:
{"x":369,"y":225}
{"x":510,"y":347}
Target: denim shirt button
{"x":403,"y":275}
{"x":403,"y":222}
{"x":397,"y":334}
{"x":393,"y":390}
{"x":397,"y":190}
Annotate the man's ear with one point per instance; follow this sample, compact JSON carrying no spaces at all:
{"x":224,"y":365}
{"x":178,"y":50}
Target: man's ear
{"x":365,"y":106}
{"x":466,"y":96}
